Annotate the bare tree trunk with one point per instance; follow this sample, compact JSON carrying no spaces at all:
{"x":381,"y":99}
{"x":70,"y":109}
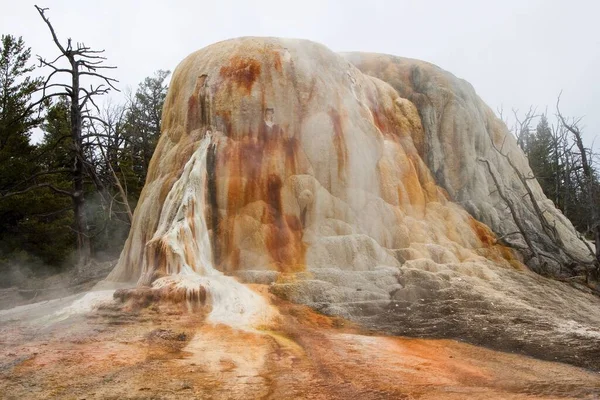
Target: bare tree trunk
{"x":568,"y":195}
{"x":556,"y":167}
{"x":81,"y":226}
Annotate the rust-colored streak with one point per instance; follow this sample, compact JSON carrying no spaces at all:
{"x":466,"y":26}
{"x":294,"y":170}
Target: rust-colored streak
{"x":274,"y":186}
{"x":192,"y":114}
{"x":191,"y":219}
{"x":284,"y":237}
{"x":166,"y":186}
{"x":277,"y":62}
{"x":491,"y":248}
{"x":189,"y":248}
{"x":243,"y":71}
{"x":196,"y":106}
{"x":157,"y":254}
{"x":379,"y":120}
{"x":339,"y":142}
{"x":291,"y":147}
{"x":224,"y":122}
{"x":229,"y":260}
{"x":211,"y":199}
{"x":484,"y":234}
{"x":253,"y":166}
{"x":275,"y":59}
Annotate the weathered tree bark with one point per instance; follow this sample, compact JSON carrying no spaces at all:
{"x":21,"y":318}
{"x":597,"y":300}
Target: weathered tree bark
{"x":81,"y":229}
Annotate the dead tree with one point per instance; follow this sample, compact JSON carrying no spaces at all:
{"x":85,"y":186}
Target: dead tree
{"x":83,"y":63}
{"x":555,"y":242}
{"x":561,"y":163}
{"x":588,"y":183}
{"x":513,"y":212}
{"x":107,"y":131}
{"x":523,"y":126}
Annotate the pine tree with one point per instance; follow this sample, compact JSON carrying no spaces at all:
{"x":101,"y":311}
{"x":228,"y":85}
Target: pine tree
{"x":541,"y":157}
{"x":142,"y":121}
{"x":18,"y":117}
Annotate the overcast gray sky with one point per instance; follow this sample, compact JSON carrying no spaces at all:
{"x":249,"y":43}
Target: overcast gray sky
{"x":515,"y":53}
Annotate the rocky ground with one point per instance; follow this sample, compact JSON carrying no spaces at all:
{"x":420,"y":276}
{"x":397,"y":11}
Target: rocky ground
{"x":163,"y":351}
{"x":480,"y":303}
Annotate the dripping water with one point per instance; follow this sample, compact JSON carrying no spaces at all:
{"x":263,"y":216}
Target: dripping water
{"x":184,"y":236}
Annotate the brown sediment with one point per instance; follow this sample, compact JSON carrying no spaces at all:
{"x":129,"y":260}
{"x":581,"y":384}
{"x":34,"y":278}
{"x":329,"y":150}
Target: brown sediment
{"x":189,"y":250}
{"x":243,"y":71}
{"x":250,"y":159}
{"x":155,"y":258}
{"x":166,"y":253}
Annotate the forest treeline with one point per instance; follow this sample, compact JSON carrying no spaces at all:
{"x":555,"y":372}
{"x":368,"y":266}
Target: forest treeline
{"x":98,"y":169}
{"x":70,"y":196}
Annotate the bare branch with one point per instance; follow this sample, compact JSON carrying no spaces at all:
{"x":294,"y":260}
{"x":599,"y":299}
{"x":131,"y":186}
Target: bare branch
{"x":39,"y":186}
{"x":47,"y":21}
{"x":43,"y":173}
{"x":108,"y":80}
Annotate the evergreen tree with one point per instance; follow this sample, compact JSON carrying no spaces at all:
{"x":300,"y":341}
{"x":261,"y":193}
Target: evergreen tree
{"x":142,"y":121}
{"x":541,"y":157}
{"x":18,"y":117}
{"x":48,"y":225}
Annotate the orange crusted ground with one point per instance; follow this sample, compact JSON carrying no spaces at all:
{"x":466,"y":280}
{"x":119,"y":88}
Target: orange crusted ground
{"x":165,"y":352}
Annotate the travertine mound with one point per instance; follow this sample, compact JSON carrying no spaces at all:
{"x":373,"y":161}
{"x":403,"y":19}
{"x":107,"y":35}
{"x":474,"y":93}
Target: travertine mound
{"x":309,"y":164}
{"x":362,"y":194}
